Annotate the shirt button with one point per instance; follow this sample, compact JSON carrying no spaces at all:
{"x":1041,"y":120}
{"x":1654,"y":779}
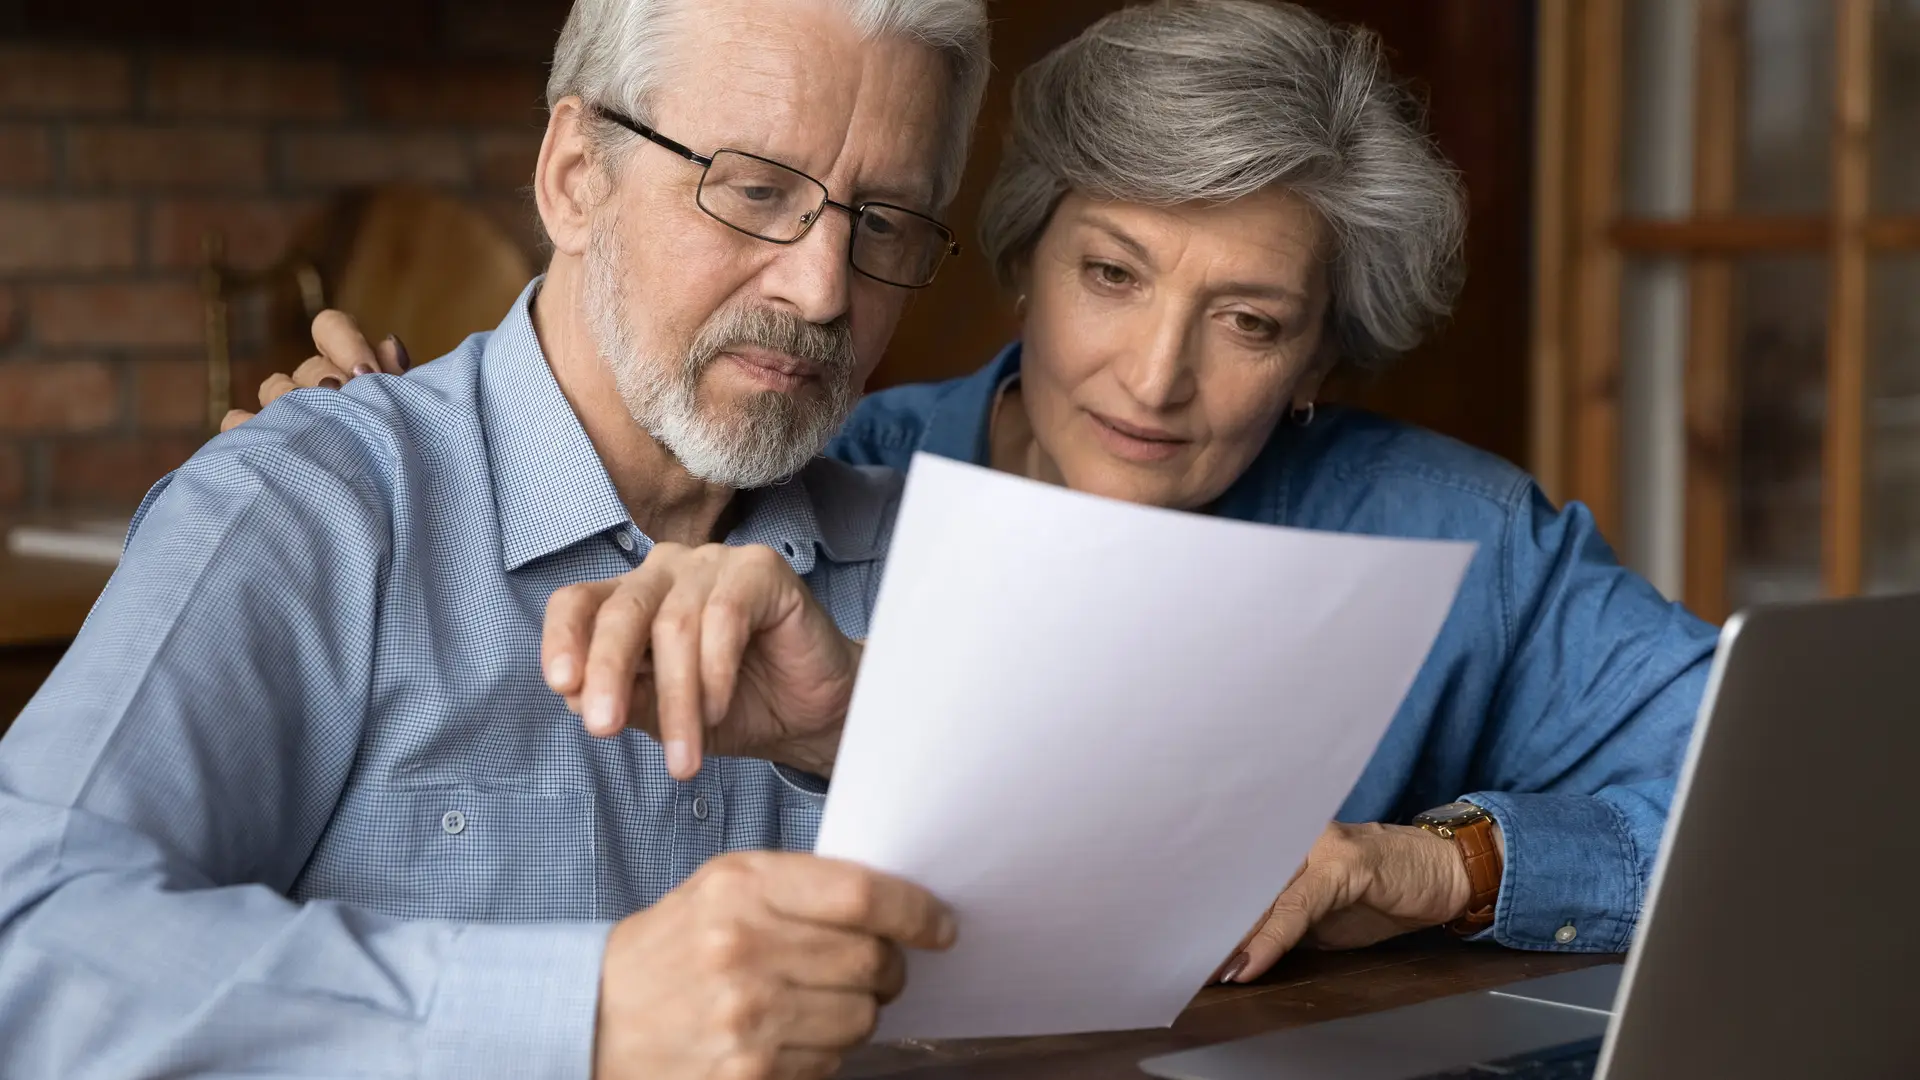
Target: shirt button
{"x":454,"y":822}
{"x":700,"y":809}
{"x":624,"y":539}
{"x":1566,"y":934}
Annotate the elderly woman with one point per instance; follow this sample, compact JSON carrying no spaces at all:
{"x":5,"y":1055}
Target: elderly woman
{"x":1206,"y":206}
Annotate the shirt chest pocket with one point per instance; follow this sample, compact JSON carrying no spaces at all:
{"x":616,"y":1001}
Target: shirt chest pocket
{"x":466,"y":852}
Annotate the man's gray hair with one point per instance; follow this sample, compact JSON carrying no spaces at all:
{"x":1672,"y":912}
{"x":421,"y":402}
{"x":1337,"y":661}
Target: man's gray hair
{"x":1209,"y":100}
{"x":614,"y":52}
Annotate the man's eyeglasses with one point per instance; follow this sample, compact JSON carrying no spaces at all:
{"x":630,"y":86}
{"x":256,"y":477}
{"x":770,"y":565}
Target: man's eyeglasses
{"x":772,"y":202}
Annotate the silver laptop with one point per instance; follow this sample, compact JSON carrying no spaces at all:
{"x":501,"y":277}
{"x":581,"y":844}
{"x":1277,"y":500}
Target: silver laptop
{"x":1782,"y":934}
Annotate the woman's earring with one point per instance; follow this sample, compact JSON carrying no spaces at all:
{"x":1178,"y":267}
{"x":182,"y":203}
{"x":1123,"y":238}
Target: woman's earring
{"x":1020,"y":305}
{"x":1303,"y":417}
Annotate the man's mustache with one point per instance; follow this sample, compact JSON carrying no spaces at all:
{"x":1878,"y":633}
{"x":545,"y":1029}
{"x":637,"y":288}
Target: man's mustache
{"x":827,"y":347}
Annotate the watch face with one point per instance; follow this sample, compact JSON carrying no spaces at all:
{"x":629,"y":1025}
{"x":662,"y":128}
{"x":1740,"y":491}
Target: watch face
{"x":1458,"y":813}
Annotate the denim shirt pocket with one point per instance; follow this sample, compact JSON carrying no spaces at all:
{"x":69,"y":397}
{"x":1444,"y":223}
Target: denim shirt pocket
{"x":463,"y":851}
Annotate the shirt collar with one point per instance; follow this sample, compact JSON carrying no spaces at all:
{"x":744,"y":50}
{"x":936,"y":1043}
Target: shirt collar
{"x":960,"y":425}
{"x":550,"y":489}
{"x":829,"y":509}
{"x":1264,"y":489}
{"x":782,"y":518}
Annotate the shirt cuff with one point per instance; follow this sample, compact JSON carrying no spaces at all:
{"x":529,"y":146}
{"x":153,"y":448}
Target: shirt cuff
{"x":1572,"y":881}
{"x":520,"y":1000}
{"x":804,"y":782}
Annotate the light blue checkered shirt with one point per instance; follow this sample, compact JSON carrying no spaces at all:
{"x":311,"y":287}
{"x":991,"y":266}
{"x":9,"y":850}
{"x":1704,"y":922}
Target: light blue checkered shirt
{"x":298,"y":803}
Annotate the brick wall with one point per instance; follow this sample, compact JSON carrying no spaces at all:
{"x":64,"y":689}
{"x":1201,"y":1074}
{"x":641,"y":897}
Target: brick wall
{"x":118,"y":151}
{"x":127,"y":127}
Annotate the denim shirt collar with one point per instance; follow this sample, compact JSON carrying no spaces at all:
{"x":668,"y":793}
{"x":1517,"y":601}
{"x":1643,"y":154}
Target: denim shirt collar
{"x":960,"y":426}
{"x":1261,"y":492}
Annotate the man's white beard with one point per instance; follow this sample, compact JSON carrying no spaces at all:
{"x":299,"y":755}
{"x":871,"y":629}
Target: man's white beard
{"x":761,"y":441}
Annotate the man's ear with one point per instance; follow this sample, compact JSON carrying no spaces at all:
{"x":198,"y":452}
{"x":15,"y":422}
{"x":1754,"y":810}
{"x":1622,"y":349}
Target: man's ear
{"x":566,"y":180}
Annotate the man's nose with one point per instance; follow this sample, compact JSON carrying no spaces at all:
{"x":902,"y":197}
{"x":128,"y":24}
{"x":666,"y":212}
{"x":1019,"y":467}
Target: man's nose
{"x":811,"y":275}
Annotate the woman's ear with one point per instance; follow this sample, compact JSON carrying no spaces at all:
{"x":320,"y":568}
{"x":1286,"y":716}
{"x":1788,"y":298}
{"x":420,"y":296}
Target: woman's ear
{"x":1020,"y":280}
{"x":1326,"y":357}
{"x":566,"y":180}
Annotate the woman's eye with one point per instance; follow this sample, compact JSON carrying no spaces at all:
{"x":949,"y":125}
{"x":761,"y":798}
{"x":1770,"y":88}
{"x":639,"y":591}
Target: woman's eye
{"x":1109,"y":274}
{"x":1253,"y":325}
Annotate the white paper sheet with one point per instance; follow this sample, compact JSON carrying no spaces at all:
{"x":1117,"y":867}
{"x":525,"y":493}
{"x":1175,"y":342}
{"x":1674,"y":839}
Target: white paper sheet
{"x":1108,"y":734}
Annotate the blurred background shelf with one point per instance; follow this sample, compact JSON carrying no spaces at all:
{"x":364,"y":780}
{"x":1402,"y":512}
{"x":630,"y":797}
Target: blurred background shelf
{"x":51,"y":570}
{"x":42,"y":605}
{"x":46,"y":599}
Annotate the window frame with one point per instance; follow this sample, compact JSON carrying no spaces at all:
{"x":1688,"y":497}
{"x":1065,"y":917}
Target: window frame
{"x":1583,"y":238}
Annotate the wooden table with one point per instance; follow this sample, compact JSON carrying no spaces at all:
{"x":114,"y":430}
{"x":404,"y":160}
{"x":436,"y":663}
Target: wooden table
{"x":1304,"y":989}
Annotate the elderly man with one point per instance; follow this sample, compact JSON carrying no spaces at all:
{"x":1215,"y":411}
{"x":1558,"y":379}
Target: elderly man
{"x":301,"y":801}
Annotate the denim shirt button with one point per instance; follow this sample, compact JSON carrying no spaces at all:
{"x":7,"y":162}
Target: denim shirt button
{"x":1566,"y":934}
{"x":454,"y":822}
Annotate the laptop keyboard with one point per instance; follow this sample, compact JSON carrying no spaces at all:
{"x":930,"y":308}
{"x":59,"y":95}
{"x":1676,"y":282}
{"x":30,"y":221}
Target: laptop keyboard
{"x":1574,"y":1061}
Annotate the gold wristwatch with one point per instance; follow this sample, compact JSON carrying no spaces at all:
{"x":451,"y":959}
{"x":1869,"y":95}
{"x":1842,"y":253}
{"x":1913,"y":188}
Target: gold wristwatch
{"x":1471,"y":830}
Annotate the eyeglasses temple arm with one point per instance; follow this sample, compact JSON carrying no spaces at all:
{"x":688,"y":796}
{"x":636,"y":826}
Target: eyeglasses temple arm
{"x":654,"y":137}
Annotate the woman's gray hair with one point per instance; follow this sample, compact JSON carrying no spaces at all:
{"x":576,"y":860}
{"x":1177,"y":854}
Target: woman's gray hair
{"x":1209,"y":100}
{"x":614,"y":53}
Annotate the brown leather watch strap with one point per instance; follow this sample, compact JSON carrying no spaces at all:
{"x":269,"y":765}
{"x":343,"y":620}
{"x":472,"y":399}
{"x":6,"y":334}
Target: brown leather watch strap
{"x":1482,"y":858}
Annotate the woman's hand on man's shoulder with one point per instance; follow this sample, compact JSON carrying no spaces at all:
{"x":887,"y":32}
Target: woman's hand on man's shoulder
{"x":342,"y":352}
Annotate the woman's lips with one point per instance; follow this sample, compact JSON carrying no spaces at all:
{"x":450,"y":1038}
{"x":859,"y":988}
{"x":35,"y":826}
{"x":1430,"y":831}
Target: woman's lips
{"x":1135,"y":442}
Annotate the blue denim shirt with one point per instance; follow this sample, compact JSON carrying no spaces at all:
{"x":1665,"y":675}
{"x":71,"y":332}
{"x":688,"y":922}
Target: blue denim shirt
{"x":1562,"y":688}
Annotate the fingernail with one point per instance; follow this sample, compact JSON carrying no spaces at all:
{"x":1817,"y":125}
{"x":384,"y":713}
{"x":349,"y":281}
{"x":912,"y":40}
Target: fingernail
{"x":561,"y":671}
{"x":1240,"y":962}
{"x":364,"y":369}
{"x":330,"y":383}
{"x":948,"y":931}
{"x":679,"y":757}
{"x":599,"y":716}
{"x":400,"y":352}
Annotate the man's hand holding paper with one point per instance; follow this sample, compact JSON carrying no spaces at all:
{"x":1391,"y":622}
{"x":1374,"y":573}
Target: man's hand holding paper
{"x":763,"y":963}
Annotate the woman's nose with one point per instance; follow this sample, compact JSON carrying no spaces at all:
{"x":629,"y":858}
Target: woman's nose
{"x":1161,"y":374}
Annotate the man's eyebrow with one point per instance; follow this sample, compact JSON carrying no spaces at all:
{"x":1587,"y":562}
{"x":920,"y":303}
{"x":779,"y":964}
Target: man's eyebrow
{"x":919,"y":199}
